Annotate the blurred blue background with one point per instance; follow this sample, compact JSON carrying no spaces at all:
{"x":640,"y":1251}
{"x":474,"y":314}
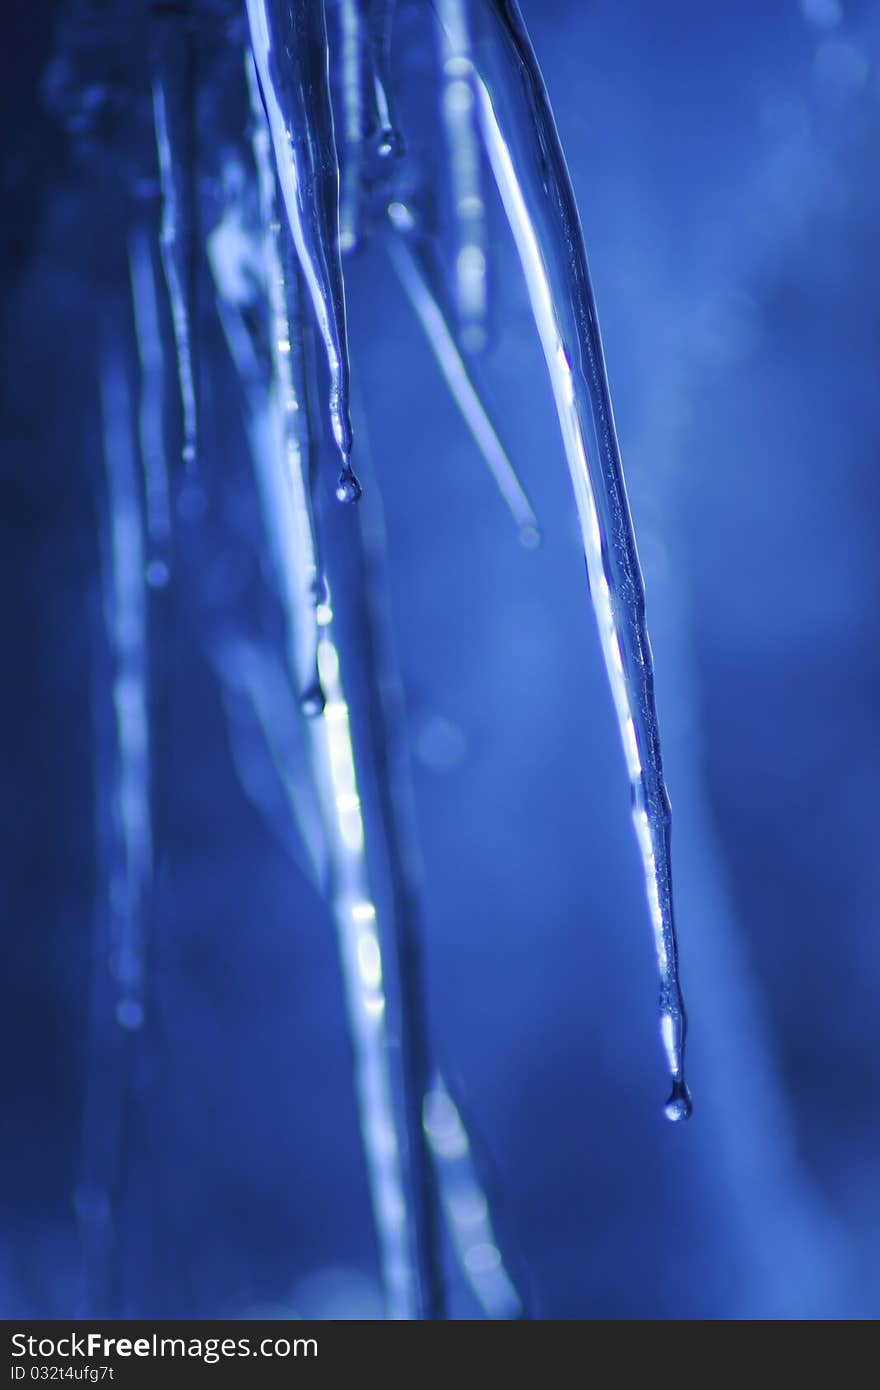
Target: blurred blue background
{"x":725,"y":162}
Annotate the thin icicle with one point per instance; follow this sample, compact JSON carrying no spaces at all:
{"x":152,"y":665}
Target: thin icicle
{"x":408,"y":1263}
{"x":409,"y":1286}
{"x":124,"y":841}
{"x":126,"y":621}
{"x":466,"y":1208}
{"x":290,"y":515}
{"x":281,"y":447}
{"x":174,"y":119}
{"x":151,"y":413}
{"x":529,"y":168}
{"x":354,"y":98}
{"x":252,"y":674}
{"x":379,"y":16}
{"x":290,"y":50}
{"x":465,"y":171}
{"x":414,"y":279}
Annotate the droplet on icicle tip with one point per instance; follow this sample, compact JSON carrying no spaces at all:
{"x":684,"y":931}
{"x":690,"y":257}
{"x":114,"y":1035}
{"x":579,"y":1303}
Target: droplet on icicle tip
{"x":389,"y":144}
{"x":348,"y":489}
{"x":313,"y":700}
{"x":679,"y":1104}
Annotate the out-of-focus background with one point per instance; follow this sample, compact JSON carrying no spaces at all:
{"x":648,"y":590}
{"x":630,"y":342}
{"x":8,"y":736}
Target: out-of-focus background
{"x":725,"y":161}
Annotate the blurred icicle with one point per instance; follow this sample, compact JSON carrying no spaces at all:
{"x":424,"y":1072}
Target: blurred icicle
{"x":377,"y":948}
{"x":174,"y":105}
{"x":467,"y":1212}
{"x":278,"y":440}
{"x":408,"y":262}
{"x":281,"y":437}
{"x":354,"y":99}
{"x":124,"y":836}
{"x":296,"y":93}
{"x":126,"y":613}
{"x":465,"y":171}
{"x":367,"y":134}
{"x":152,"y":403}
{"x":529,"y":168}
{"x":379,"y":15}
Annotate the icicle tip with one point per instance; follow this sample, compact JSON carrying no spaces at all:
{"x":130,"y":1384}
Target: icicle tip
{"x":348,"y":489}
{"x":679,"y":1105}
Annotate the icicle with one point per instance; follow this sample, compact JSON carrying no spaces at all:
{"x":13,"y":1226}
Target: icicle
{"x":466,"y":1208}
{"x":290,"y":51}
{"x":380,"y":19}
{"x":413,"y":277}
{"x":151,"y":413}
{"x":124,"y":839}
{"x":126,"y":617}
{"x":409,"y":1281}
{"x":290,"y":515}
{"x":261,"y":695}
{"x":529,"y":168}
{"x":354,"y":96}
{"x":174,"y":118}
{"x":465,"y":173}
{"x":281,"y":447}
{"x":336,"y":838}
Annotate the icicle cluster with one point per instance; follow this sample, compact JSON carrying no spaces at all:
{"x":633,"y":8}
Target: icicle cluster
{"x":311,"y":162}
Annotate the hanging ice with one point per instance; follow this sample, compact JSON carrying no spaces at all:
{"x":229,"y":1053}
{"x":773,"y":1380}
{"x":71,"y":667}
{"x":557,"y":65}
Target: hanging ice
{"x":174,"y":116}
{"x":523,"y":147}
{"x":290,"y":51}
{"x":297,"y":704}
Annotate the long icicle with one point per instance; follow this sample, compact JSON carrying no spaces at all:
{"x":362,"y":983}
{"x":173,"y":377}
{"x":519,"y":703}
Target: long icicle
{"x":289,"y":45}
{"x":408,"y":1264}
{"x":127,"y":625}
{"x":124,"y":839}
{"x":252,"y":673}
{"x":532,"y":177}
{"x":174,"y":118}
{"x":151,"y":412}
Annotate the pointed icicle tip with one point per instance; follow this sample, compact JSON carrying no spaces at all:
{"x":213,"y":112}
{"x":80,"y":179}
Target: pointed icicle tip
{"x":679,"y":1105}
{"x":348,"y":489}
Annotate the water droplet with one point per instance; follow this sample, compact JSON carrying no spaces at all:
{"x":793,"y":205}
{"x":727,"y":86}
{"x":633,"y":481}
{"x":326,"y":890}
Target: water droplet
{"x":389,"y":144}
{"x":313,"y":700}
{"x":348,"y":489}
{"x":529,"y":537}
{"x":679,"y":1105}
